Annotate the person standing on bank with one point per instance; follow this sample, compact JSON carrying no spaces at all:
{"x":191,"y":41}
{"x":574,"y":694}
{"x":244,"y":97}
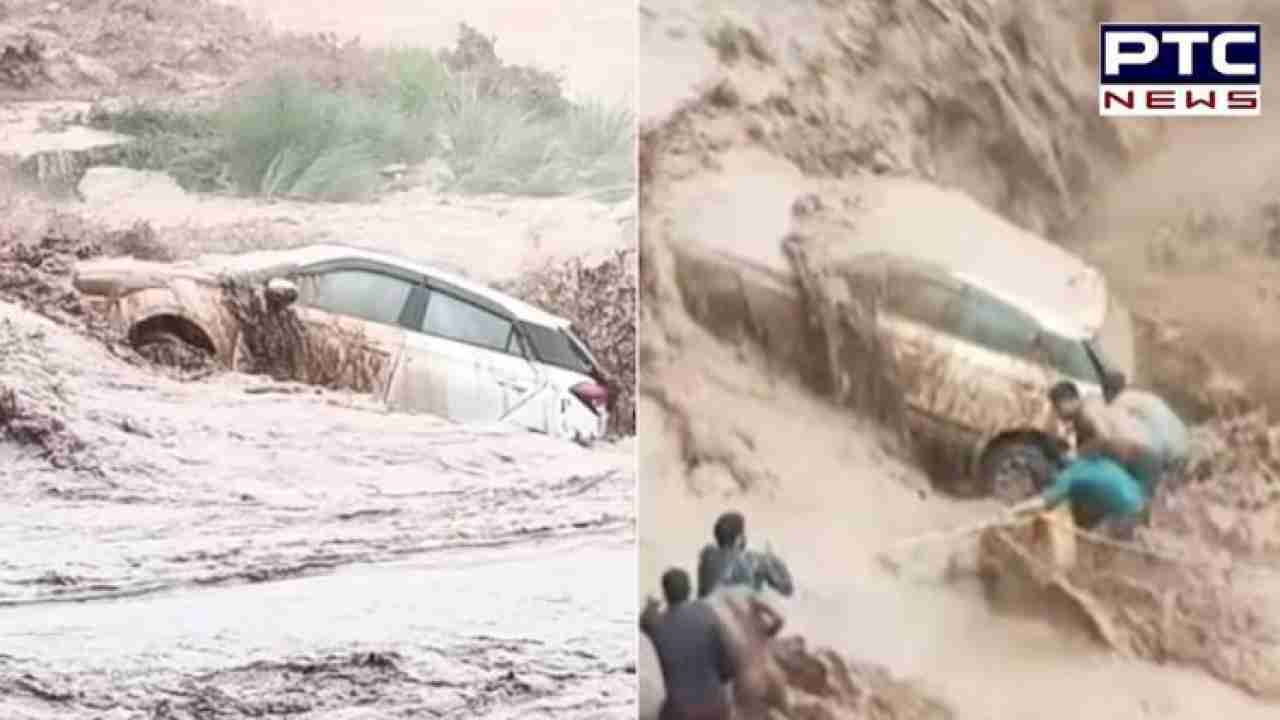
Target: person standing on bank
{"x":693,"y":652}
{"x":728,"y":562}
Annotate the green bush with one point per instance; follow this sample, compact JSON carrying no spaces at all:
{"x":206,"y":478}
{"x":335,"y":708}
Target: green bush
{"x":501,"y":129}
{"x":498,"y":145}
{"x":186,"y":145}
{"x":291,"y":137}
{"x":417,"y":81}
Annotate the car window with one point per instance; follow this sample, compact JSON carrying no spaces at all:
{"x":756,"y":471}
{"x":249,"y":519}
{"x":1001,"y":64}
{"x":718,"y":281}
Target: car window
{"x":997,"y":325}
{"x":362,"y":294}
{"x":1069,"y":357}
{"x":925,"y":301}
{"x":456,"y":319}
{"x":555,"y":347}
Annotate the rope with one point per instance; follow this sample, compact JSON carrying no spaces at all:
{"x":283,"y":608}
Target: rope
{"x":1093,"y":537}
{"x":1214,"y":564}
{"x":959,"y":532}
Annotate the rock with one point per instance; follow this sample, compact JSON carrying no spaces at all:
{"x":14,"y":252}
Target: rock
{"x":103,"y":186}
{"x":95,"y":71}
{"x":22,"y":59}
{"x":59,"y":172}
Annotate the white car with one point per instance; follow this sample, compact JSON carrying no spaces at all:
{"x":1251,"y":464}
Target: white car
{"x":420,"y":338}
{"x":981,"y":318}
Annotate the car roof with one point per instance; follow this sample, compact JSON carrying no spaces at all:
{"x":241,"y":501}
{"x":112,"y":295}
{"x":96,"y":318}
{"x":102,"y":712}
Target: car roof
{"x":946,"y":229}
{"x":266,"y":260}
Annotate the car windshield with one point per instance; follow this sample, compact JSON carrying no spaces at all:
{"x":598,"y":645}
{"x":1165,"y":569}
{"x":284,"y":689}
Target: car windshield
{"x":1070,"y":357}
{"x":559,"y":348}
{"x":1114,"y":343}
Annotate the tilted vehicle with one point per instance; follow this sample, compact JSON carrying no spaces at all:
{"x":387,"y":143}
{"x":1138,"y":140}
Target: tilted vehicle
{"x":980,"y":321}
{"x":431,"y":341}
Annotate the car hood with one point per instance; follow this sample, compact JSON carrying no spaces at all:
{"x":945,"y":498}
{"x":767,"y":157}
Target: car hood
{"x":118,"y":276}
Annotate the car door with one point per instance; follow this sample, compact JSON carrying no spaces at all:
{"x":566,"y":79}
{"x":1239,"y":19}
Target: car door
{"x":462,"y":362}
{"x":352,"y":315}
{"x":1005,"y":383}
{"x":526,"y":388}
{"x":918,"y":319}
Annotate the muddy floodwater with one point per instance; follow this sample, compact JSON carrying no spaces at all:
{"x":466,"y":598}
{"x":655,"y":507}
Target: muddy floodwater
{"x":232,"y":547}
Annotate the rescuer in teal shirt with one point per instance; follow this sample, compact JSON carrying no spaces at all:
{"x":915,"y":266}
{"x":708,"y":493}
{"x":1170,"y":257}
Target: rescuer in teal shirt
{"x":1103,"y":494}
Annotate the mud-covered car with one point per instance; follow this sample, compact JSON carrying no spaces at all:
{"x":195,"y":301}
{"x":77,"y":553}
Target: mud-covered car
{"x":979,"y":319}
{"x":422,"y":339}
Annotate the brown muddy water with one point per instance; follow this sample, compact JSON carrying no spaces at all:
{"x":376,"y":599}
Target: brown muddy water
{"x":836,"y":498}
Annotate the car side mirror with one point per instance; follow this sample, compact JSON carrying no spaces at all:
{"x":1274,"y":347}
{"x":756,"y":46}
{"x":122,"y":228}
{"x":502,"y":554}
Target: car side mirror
{"x":281,"y":292}
{"x":1113,"y":383}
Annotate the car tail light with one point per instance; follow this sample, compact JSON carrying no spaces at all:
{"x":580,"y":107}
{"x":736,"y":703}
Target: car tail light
{"x":593,"y":395}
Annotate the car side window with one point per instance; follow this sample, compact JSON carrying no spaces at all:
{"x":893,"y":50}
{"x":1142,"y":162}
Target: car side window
{"x":456,"y":319}
{"x":997,"y":325}
{"x":1069,"y":357}
{"x":361,"y":294}
{"x":924,"y":300}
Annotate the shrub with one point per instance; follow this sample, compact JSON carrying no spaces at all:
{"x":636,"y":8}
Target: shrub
{"x":290,"y":137}
{"x":327,"y":135}
{"x":185,"y":144}
{"x":498,"y":145}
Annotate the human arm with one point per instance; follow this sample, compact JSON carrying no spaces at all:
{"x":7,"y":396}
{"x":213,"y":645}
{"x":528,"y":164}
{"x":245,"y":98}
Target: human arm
{"x":770,"y":619}
{"x":775,"y":572}
{"x":1050,"y":498}
{"x":649,"y":616}
{"x":708,"y":570}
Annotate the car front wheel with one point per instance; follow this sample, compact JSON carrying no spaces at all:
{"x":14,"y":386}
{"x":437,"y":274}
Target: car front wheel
{"x":1014,"y":471}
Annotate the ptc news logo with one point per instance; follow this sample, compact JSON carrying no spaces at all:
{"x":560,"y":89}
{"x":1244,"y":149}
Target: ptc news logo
{"x":1180,"y":70}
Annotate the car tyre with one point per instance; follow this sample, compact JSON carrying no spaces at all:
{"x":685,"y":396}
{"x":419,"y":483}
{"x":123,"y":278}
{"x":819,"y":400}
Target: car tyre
{"x":167,"y":348}
{"x":1014,"y":471}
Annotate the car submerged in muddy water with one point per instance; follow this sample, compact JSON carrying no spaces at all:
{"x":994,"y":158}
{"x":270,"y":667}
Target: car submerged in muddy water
{"x":419,"y":338}
{"x":977,"y":347}
{"x":979,"y":319}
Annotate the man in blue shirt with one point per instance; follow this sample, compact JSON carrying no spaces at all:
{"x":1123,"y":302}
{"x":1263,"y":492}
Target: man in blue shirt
{"x":1104,"y":496}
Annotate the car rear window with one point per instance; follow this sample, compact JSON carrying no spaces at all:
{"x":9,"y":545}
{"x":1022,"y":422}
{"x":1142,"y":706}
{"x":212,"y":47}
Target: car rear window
{"x":455,"y":319}
{"x":555,"y":347}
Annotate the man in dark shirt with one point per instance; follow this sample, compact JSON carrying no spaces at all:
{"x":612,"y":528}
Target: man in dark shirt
{"x":692,"y":652}
{"x":728,"y":562}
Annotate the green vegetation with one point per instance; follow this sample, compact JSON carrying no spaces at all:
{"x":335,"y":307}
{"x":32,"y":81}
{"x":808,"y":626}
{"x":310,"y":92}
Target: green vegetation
{"x":499,"y":128}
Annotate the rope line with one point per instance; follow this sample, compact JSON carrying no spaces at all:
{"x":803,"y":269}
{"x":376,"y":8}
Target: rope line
{"x":1093,"y":537}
